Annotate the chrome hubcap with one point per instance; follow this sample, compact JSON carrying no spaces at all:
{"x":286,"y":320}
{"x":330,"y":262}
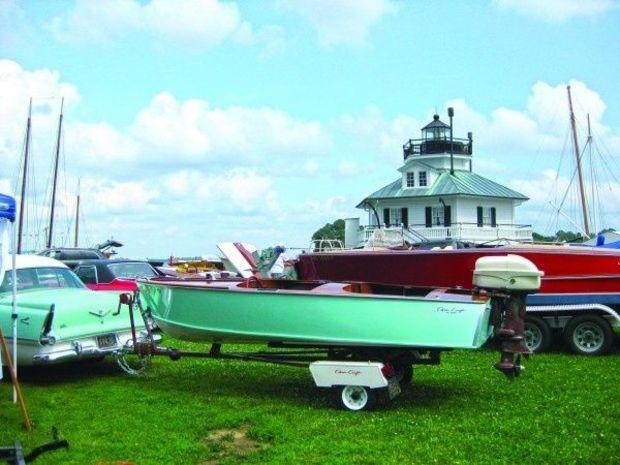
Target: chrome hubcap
{"x":533,"y":337}
{"x":354,"y":397}
{"x":588,"y":337}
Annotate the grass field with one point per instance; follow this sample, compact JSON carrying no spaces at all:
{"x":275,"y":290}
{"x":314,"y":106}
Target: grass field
{"x":565,"y":409}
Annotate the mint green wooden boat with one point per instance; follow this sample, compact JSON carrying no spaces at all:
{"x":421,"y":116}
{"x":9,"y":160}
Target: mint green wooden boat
{"x":321,"y":314}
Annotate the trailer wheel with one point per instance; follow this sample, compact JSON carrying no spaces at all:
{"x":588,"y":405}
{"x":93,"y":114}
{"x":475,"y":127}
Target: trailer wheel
{"x":357,"y":398}
{"x":589,"y":335}
{"x":537,"y":334}
{"x":407,"y":373}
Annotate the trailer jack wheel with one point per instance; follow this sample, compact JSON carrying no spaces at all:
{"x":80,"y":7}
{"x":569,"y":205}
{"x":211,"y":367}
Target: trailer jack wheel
{"x":357,"y":398}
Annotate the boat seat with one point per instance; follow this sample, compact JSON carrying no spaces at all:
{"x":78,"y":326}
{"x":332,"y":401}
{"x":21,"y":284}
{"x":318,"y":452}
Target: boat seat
{"x":437,"y":293}
{"x":331,"y":288}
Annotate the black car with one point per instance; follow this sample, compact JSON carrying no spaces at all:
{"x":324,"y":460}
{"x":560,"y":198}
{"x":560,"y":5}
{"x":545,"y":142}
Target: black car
{"x":71,"y":256}
{"x":114,"y":274}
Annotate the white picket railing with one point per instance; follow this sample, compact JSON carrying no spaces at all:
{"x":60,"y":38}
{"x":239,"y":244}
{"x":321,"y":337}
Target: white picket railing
{"x":458,"y":232}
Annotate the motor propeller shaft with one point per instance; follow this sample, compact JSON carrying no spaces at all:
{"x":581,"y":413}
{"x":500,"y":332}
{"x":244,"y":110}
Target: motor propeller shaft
{"x":512,"y":335}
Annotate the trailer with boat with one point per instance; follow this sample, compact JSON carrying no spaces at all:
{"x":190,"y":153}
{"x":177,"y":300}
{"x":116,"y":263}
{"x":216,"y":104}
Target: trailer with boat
{"x":357,"y":338}
{"x":579,"y":296}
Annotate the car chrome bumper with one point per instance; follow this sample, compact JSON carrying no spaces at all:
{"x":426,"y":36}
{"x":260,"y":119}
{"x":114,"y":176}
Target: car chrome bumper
{"x":80,"y":349}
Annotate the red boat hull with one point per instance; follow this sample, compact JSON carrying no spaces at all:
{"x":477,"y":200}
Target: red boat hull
{"x":567,"y":269}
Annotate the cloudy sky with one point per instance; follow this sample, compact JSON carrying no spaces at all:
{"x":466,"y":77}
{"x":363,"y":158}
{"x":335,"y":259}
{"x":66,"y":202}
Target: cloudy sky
{"x":198,"y":121}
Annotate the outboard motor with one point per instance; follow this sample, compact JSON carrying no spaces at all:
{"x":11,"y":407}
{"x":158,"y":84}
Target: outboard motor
{"x":508,"y":279}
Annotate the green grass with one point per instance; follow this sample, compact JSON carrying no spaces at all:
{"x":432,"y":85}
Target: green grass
{"x":565,"y":409}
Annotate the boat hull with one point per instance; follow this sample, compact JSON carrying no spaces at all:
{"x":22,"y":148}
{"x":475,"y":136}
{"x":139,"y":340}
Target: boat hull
{"x":567,"y":269}
{"x":238,"y":315}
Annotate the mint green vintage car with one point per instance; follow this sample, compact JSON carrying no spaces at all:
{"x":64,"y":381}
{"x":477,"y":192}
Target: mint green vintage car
{"x":58,"y":318}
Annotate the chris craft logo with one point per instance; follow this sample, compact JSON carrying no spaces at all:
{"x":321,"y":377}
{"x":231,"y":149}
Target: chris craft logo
{"x":347,"y":372}
{"x":450,"y":310}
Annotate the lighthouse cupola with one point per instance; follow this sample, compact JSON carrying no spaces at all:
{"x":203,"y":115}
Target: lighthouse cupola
{"x":435,"y":141}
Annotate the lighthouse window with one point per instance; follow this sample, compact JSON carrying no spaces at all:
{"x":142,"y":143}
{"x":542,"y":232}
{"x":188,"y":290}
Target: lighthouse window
{"x":486,"y":216}
{"x":422,"y":179}
{"x":396,"y":218}
{"x":438,"y":216}
{"x":410,"y":179}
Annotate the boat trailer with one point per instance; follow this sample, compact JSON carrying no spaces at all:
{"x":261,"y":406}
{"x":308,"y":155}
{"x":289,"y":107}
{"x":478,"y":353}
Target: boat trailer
{"x":358,"y":375}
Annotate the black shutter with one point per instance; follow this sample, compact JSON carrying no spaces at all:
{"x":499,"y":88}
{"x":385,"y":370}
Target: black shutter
{"x":493,"y":217}
{"x":404,"y":214}
{"x":386,"y":216}
{"x":479,"y":217}
{"x":447,"y":216}
{"x":429,"y":217}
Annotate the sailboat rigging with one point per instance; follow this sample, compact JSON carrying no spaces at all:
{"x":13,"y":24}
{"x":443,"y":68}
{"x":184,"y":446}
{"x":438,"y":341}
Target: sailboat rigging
{"x":77,"y":216}
{"x":55,"y":178}
{"x":584,"y":207}
{"x":22,"y":198}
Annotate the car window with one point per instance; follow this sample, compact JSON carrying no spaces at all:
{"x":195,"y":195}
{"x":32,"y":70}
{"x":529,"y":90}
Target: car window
{"x":87,"y":274}
{"x":41,"y":277}
{"x":132,"y":270}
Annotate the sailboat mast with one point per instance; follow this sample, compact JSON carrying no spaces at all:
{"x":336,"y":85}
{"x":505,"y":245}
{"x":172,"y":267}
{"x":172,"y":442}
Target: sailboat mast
{"x":51,"y":226}
{"x":20,"y":223}
{"x":77,"y":217}
{"x":582,"y":191}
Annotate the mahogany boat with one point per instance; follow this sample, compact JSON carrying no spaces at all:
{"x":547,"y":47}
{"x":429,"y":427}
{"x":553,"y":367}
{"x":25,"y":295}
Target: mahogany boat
{"x":567,"y":269}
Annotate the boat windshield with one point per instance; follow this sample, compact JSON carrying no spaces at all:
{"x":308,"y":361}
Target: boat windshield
{"x":41,"y":278}
{"x":132,"y":270}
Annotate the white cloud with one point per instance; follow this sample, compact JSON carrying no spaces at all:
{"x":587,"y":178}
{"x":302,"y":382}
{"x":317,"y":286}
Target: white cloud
{"x":171,"y":131}
{"x":107,"y":196}
{"x":373,"y":130}
{"x":342,"y":21}
{"x":556,"y":10}
{"x":543,"y":123}
{"x":206,"y":21}
{"x":238,"y":189}
{"x":96,"y":22}
{"x":180,"y":159}
{"x":195,"y":24}
{"x":99,"y":144}
{"x":17,"y":86}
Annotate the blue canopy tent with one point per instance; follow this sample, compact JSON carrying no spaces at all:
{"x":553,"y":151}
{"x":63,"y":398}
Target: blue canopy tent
{"x":7,"y":217}
{"x":7,"y":207}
